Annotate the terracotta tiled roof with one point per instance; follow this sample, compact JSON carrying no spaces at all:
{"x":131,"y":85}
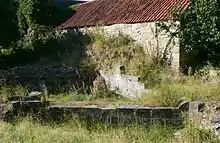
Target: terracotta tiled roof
{"x":108,"y":12}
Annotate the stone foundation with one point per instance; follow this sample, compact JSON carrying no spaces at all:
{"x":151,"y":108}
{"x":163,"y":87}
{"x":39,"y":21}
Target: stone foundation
{"x":107,"y":114}
{"x":205,"y":115}
{"x":126,"y":114}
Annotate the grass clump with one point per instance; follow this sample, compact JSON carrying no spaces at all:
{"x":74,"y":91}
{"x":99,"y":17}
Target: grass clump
{"x":191,"y":88}
{"x":8,"y":91}
{"x":69,"y":97}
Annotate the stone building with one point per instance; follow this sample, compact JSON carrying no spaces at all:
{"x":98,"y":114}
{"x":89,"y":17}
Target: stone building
{"x":135,"y":18}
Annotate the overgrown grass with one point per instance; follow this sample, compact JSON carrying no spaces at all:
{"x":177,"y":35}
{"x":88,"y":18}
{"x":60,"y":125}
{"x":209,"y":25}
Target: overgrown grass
{"x":8,"y":91}
{"x":27,"y":131}
{"x":75,"y":131}
{"x":193,"y":134}
{"x":166,"y":93}
{"x":192,"y":88}
{"x":110,"y":54}
{"x":86,"y":99}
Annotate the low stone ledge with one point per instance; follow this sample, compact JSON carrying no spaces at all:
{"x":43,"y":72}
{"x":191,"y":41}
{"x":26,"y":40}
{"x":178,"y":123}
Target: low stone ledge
{"x":121,"y":115}
{"x":124,"y":114}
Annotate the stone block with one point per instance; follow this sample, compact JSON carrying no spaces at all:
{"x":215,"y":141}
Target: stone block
{"x":144,"y":112}
{"x":177,"y":122}
{"x":184,"y":106}
{"x":28,"y":107}
{"x":91,"y":112}
{"x":126,"y":115}
{"x":166,"y":113}
{"x":126,"y":111}
{"x":144,"y":121}
{"x":75,"y":109}
{"x":194,"y":109}
{"x":55,"y":113}
{"x":109,"y":116}
{"x":127,"y":86}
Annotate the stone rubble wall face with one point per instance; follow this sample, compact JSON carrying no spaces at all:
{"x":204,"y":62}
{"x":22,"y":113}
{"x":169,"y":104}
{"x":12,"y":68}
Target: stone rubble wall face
{"x":144,"y":34}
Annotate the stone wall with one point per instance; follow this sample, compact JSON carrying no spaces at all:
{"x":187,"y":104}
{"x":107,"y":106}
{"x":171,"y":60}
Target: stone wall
{"x":151,"y":37}
{"x":124,"y":114}
{"x":205,"y":115}
{"x":107,"y":114}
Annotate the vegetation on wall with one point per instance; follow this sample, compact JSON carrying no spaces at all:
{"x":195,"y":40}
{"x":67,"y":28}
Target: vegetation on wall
{"x":120,"y":54}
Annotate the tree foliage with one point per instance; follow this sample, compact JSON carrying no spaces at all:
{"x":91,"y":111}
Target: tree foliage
{"x":200,"y":31}
{"x":41,"y":12}
{"x":8,"y":22}
{"x":27,"y":30}
{"x":19,"y":16}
